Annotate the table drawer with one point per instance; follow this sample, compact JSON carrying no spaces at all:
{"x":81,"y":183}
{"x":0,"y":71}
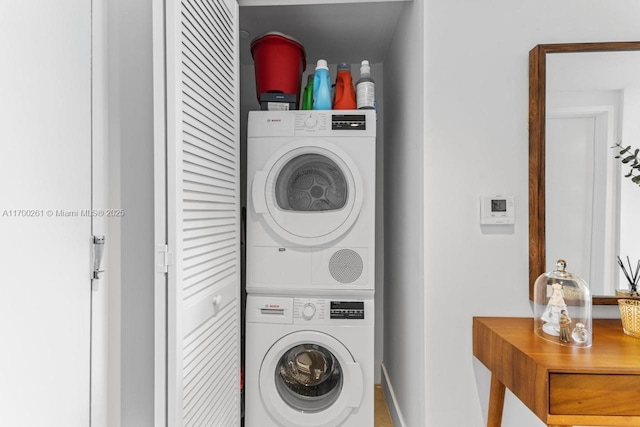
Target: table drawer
{"x":594,"y":394}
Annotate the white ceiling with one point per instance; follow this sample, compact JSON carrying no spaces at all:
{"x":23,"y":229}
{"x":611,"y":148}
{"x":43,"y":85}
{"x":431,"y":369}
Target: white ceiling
{"x":336,"y":32}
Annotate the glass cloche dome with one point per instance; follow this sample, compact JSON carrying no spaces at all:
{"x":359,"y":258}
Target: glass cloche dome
{"x":562,"y":308}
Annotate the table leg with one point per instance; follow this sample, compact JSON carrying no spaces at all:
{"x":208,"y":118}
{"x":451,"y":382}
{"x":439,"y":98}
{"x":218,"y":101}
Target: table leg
{"x":496,"y":403}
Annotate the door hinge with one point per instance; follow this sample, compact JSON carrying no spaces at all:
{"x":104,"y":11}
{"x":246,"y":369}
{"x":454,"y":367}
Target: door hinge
{"x":164,"y":259}
{"x":98,"y":251}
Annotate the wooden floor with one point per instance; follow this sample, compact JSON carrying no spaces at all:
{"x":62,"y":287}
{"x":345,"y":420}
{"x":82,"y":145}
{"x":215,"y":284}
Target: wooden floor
{"x":382,"y":417}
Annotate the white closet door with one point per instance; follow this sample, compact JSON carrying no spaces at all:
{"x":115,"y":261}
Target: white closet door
{"x":45,"y":224}
{"x":203,"y":180}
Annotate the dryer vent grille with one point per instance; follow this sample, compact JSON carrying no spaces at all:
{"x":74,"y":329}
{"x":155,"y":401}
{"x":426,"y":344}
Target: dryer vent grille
{"x":346,"y":266}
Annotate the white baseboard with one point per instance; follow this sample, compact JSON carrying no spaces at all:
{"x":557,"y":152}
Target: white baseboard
{"x":392,"y":402}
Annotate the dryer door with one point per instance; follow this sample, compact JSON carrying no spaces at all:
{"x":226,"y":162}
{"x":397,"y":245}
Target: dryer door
{"x":310,"y":379}
{"x":310,"y":193}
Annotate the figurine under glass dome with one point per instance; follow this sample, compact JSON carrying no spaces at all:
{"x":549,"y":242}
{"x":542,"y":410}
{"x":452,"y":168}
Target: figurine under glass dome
{"x":561,"y":300}
{"x":552,"y":314}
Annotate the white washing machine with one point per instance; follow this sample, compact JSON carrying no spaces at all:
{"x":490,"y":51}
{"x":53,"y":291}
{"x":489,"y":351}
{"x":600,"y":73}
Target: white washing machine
{"x":311,"y":202}
{"x":309,"y":362}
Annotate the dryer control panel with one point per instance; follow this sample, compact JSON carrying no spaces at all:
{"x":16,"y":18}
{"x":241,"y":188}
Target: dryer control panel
{"x":333,"y":123}
{"x":348,"y":122}
{"x":312,"y":123}
{"x":321,"y":121}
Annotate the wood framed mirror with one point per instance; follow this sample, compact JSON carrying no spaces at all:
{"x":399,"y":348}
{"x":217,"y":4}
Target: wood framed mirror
{"x":538,"y":85}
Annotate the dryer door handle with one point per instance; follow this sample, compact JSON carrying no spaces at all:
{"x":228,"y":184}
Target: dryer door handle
{"x":356,"y":381}
{"x":258,"y":192}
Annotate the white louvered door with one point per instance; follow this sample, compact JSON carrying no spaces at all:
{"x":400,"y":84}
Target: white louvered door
{"x":203,"y":219}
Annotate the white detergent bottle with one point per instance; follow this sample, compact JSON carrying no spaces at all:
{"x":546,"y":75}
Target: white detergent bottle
{"x":365,"y":88}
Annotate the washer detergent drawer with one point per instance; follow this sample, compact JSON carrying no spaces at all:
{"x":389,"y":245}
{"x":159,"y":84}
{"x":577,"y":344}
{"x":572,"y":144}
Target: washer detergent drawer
{"x":280,"y":266}
{"x":270,"y":310}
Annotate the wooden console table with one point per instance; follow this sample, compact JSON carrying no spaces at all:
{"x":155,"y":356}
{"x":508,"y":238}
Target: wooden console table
{"x":563,"y":386}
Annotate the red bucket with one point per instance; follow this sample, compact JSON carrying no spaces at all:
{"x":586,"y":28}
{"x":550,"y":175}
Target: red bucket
{"x":279,"y":61}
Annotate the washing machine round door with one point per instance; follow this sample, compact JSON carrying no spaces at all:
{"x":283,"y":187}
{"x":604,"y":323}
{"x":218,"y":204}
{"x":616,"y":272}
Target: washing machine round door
{"x":309,"y":378}
{"x":310,"y":193}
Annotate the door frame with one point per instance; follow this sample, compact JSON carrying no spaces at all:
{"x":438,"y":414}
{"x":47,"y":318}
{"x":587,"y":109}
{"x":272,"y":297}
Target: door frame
{"x":162,"y":256}
{"x":604,"y":134}
{"x":105,"y":373}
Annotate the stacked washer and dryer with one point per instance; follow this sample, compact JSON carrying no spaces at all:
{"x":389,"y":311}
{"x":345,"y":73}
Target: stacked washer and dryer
{"x":310,"y":268}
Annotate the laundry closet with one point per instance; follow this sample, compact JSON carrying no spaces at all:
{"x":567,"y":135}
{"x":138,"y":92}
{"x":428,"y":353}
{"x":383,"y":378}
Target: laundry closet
{"x":390,"y":36}
{"x":207,"y":106}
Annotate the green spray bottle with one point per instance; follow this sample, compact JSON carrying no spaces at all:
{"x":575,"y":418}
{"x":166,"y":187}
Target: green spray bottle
{"x":307,"y":94}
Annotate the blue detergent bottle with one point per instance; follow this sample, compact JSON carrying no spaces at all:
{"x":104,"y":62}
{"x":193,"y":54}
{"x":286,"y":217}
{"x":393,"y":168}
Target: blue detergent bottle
{"x":321,"y":87}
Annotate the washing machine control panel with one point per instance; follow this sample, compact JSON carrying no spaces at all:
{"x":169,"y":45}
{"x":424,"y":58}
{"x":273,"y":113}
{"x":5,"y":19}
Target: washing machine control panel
{"x":317,"y":309}
{"x":347,"y":310}
{"x":308,"y":309}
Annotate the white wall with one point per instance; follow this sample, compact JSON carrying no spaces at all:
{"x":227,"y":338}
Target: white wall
{"x":476,"y":143}
{"x":404,"y":343}
{"x":46,"y":141}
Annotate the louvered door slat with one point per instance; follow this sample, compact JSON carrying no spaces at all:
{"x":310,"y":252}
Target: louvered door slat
{"x":195,"y":70}
{"x":220,"y":27}
{"x":199,"y":119}
{"x":209,"y":226}
{"x":199,"y":186}
{"x":203,"y":95}
{"x":205,"y":124}
{"x":207,"y":151}
{"x":222,"y":158}
{"x":195,"y":215}
{"x":196,"y":137}
{"x":210,"y":197}
{"x":200,"y":257}
{"x":194,"y":165}
{"x":203,"y":23}
{"x":200,"y":54}
{"x":222,"y":23}
{"x":202,"y":282}
{"x":207,"y":380}
{"x":212,"y":269}
{"x":201,"y":359}
{"x":217,"y":26}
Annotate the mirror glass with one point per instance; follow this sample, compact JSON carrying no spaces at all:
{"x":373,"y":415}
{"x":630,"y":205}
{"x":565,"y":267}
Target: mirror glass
{"x":584,"y":207}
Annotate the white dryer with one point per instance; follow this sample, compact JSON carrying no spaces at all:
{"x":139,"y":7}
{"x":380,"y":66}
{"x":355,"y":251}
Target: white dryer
{"x":309,"y":362}
{"x":311,"y":201}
